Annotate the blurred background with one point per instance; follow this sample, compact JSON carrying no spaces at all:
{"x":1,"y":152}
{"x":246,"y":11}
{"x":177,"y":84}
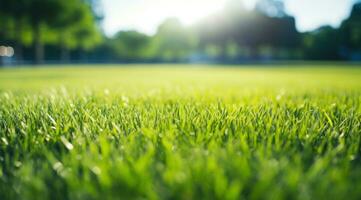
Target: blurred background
{"x":178,"y":31}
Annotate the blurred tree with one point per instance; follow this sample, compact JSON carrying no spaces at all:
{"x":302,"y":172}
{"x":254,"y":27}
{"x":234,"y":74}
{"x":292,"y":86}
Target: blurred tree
{"x":266,"y":26}
{"x":15,"y":12}
{"x":66,"y":24}
{"x":72,"y":21}
{"x":130,"y":45}
{"x":271,"y":8}
{"x":90,"y":33}
{"x":97,"y":10}
{"x":76,"y":28}
{"x":5,"y":24}
{"x":173,"y":41}
{"x":350,"y":30}
{"x":322,"y":44}
{"x":217,"y":31}
{"x":42,"y":14}
{"x":214,"y":33}
{"x":277,"y":28}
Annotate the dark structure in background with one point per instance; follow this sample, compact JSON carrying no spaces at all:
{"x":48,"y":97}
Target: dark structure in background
{"x":64,"y":31}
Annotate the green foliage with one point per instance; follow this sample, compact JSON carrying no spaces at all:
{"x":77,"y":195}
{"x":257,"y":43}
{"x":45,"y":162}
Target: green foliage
{"x":86,"y":32}
{"x":323,"y":43}
{"x":76,"y":26}
{"x":351,"y":29}
{"x":69,"y":24}
{"x":130,"y":45}
{"x":180,"y":133}
{"x":173,"y":41}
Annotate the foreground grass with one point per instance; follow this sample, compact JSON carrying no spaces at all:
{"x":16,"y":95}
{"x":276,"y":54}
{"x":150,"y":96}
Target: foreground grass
{"x":180,"y":133}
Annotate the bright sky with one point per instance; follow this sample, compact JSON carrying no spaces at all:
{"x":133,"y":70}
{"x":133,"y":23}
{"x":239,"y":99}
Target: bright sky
{"x":146,"y":15}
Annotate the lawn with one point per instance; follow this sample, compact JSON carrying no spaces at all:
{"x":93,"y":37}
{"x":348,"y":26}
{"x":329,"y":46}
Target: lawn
{"x":180,"y":132}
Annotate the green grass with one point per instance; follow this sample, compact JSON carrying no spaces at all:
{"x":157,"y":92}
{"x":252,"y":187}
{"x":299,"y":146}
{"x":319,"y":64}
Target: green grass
{"x":138,"y":132}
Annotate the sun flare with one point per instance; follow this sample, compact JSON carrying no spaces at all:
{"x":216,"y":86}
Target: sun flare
{"x":190,"y":13}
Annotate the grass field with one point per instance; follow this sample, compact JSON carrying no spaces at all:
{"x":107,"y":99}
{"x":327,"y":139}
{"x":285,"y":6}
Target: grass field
{"x":176,"y":132}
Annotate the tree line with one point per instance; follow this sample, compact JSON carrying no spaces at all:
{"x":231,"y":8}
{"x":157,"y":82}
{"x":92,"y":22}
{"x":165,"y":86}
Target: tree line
{"x":237,"y":34}
{"x":70,"y":30}
{"x":59,"y":25}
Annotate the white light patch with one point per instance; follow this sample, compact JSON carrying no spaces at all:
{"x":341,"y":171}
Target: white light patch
{"x":6,"y":51}
{"x":146,"y":15}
